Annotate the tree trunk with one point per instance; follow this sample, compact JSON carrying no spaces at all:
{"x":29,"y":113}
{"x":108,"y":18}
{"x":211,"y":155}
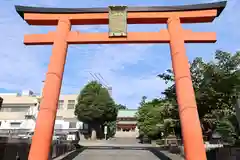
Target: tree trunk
{"x":94,"y":131}
{"x":93,"y":134}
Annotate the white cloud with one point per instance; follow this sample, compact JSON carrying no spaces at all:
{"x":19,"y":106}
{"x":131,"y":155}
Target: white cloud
{"x":19,"y":64}
{"x":24,"y":67}
{"x":110,"y":61}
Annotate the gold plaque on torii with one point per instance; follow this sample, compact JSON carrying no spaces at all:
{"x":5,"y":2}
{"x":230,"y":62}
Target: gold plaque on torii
{"x":117,"y":21}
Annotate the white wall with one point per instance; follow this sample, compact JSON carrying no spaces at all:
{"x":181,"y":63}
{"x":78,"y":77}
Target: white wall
{"x":24,"y":124}
{"x":13,"y":100}
{"x":63,"y":124}
{"x":30,"y":124}
{"x":80,"y":125}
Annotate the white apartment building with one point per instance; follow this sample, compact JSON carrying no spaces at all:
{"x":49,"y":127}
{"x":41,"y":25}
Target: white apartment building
{"x":65,"y":119}
{"x":19,"y":112}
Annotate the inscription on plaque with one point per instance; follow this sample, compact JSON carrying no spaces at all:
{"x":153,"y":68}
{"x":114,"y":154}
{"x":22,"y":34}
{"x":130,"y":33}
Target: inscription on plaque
{"x":117,"y":21}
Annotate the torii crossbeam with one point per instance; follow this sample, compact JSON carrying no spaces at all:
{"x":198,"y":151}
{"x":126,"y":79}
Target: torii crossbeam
{"x":175,"y":35}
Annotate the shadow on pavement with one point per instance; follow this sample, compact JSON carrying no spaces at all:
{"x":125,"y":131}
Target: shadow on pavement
{"x":159,"y":154}
{"x":74,"y":154}
{"x":154,"y":150}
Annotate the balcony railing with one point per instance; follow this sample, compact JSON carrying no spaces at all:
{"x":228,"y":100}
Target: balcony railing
{"x":14,"y":131}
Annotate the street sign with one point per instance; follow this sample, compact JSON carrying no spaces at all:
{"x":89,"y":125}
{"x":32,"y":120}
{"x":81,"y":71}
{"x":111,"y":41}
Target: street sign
{"x":117,"y":21}
{"x":105,"y":132}
{"x":105,"y":129}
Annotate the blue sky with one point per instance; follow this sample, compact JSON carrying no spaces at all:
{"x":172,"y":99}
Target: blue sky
{"x":130,"y":69}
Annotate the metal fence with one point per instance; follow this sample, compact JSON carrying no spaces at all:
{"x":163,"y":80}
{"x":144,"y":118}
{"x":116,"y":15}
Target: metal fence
{"x":14,"y":131}
{"x":11,"y":149}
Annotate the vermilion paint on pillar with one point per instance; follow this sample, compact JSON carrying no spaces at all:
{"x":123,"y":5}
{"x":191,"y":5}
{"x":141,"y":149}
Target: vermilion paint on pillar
{"x":42,"y":138}
{"x":175,"y":35}
{"x":190,"y":123}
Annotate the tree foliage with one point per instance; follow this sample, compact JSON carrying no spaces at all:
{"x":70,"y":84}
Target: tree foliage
{"x":120,"y":106}
{"x":156,"y":118}
{"x":95,"y":106}
{"x":216,"y":84}
{"x":112,"y":125}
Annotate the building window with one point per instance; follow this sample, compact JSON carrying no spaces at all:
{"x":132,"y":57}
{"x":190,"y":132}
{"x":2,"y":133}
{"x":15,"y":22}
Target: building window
{"x":15,"y":124}
{"x":19,"y":109}
{"x":58,"y":126}
{"x":0,"y":123}
{"x":59,"y":117}
{"x":14,"y":109}
{"x":85,"y":126}
{"x":72,"y":124}
{"x":60,"y":104}
{"x":71,"y":104}
{"x":5,"y":109}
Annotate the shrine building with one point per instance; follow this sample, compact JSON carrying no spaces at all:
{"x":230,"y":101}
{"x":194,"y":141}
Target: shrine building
{"x":127,"y":123}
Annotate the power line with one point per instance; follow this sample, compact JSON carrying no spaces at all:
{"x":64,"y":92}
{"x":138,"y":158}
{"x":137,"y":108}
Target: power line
{"x":100,"y":80}
{"x":109,"y":88}
{"x":103,"y":79}
{"x":95,"y":77}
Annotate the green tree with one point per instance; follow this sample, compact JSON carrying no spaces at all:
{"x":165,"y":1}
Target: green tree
{"x":149,"y":118}
{"x":216,"y":84}
{"x":156,"y":117}
{"x":112,"y":126}
{"x":120,"y":106}
{"x":95,"y":107}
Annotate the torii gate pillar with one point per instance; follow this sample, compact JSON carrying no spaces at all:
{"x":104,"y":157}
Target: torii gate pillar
{"x":175,"y":35}
{"x":190,"y":124}
{"x":51,"y":92}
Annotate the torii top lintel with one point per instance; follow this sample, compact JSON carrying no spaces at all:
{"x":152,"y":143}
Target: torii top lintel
{"x":197,"y":13}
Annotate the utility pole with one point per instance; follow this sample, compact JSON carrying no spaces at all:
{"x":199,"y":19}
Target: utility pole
{"x":41,"y":94}
{"x":110,"y":91}
{"x":42,"y":88}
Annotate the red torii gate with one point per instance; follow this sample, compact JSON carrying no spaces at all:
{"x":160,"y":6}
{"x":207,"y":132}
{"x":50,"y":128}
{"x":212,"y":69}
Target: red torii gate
{"x":175,"y":35}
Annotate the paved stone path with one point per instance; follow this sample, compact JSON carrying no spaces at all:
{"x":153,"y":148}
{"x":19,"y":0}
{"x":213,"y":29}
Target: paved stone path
{"x":121,"y":153}
{"x":108,"y":154}
{"x":119,"y":149}
{"x":112,"y":143}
